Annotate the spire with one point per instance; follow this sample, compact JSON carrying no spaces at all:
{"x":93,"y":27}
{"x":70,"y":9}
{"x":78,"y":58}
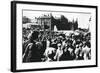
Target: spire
{"x":90,"y":19}
{"x":89,"y":24}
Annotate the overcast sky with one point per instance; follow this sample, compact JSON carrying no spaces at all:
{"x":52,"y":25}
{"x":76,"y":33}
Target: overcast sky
{"x":83,"y":18}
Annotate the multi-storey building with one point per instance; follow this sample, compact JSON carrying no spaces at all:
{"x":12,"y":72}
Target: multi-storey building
{"x":48,"y":22}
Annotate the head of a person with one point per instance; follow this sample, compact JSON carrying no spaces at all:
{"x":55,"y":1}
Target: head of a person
{"x":88,"y":44}
{"x":59,"y":45}
{"x":77,"y":46}
{"x":34,"y":36}
{"x":51,"y":55}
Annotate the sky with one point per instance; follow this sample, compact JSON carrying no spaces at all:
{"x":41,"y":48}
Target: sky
{"x":83,"y":18}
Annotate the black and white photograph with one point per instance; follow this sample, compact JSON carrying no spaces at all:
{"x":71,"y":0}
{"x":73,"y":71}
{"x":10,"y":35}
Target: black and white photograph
{"x":56,"y":36}
{"x":53,"y":36}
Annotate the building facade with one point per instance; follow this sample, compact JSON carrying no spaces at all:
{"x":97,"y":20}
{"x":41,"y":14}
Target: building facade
{"x":48,"y":22}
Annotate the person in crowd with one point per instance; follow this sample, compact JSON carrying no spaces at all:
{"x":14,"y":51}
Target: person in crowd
{"x":86,"y":51}
{"x":32,"y":53}
{"x":49,"y":54}
{"x":59,"y":52}
{"x":78,"y":50}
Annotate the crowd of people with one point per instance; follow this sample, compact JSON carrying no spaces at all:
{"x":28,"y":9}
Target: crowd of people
{"x":42,"y":46}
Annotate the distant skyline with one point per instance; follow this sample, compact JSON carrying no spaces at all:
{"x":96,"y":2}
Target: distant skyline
{"x":83,"y":19}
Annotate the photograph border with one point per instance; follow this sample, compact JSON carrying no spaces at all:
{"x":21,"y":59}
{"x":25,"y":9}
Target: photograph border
{"x":14,"y":31}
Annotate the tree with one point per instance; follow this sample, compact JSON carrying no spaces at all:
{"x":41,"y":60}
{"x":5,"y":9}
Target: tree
{"x":25,"y":20}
